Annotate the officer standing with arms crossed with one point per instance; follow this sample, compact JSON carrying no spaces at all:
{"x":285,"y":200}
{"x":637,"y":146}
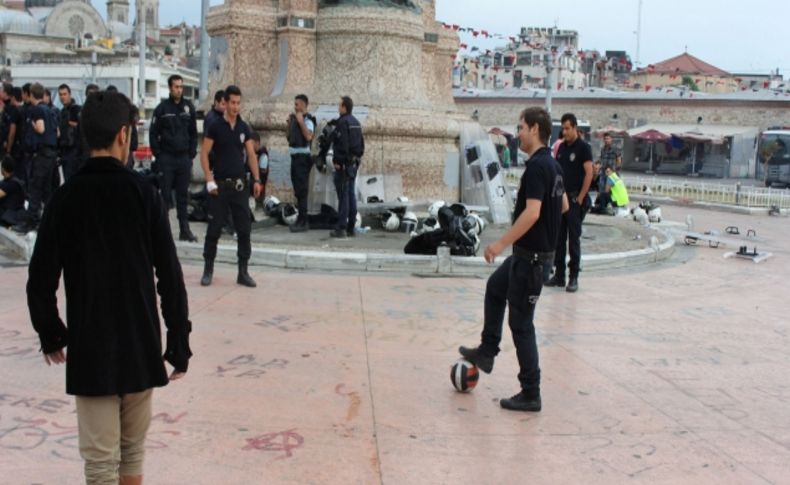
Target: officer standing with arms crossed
{"x":174,"y":144}
{"x":518,"y":282}
{"x":230,"y":138}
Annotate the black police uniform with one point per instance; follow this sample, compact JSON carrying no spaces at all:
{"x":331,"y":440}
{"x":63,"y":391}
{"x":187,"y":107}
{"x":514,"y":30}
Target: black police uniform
{"x":348,"y":149}
{"x":301,"y":164}
{"x":12,"y":115}
{"x":42,"y":162}
{"x":517,"y":283}
{"x":173,"y":138}
{"x":231,"y":177}
{"x":14,"y":201}
{"x":571,"y":158}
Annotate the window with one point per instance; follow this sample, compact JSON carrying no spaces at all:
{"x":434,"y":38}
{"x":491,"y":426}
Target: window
{"x":524,"y":59}
{"x":282,"y":21}
{"x":433,"y":38}
{"x":302,"y":23}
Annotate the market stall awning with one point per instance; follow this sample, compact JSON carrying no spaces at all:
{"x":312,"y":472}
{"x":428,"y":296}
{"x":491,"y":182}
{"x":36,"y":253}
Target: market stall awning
{"x":651,"y":136}
{"x":697,"y":137}
{"x":612,"y":130}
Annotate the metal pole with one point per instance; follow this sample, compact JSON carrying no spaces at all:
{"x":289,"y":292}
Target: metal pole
{"x":204,"y":44}
{"x":142,"y":41}
{"x":93,"y":67}
{"x":639,"y":34}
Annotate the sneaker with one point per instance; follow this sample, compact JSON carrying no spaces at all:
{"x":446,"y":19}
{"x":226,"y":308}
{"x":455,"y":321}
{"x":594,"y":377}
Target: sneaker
{"x":521,"y":402}
{"x":472,"y":354}
{"x":558,"y":281}
{"x":573,"y":285}
{"x":187,"y":236}
{"x":338,"y":233}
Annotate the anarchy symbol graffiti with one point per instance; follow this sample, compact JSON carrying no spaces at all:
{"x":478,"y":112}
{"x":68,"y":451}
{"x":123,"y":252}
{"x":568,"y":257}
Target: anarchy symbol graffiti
{"x":284,"y":441}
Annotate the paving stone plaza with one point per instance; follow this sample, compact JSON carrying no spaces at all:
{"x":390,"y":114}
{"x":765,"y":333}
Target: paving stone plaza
{"x":673,"y":372}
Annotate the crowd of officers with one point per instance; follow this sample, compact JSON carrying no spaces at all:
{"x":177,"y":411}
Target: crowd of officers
{"x":38,"y":140}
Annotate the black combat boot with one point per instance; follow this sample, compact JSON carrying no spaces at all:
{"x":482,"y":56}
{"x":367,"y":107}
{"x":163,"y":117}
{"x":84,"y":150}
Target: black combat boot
{"x":208,"y":273}
{"x":244,"y":277}
{"x":185,"y":234}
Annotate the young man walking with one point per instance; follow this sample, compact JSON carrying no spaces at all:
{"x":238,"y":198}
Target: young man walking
{"x":107,"y":232}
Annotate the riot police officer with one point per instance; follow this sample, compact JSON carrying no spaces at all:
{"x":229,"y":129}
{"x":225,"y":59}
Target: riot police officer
{"x":230,"y":139}
{"x":69,"y":137}
{"x":174,"y":144}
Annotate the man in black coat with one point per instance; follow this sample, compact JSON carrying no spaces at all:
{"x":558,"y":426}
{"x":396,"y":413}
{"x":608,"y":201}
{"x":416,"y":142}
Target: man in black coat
{"x":107,"y":231}
{"x":348,"y":148}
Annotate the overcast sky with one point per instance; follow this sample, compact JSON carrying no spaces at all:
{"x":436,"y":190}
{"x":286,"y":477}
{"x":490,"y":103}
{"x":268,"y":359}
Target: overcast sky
{"x":744,"y":36}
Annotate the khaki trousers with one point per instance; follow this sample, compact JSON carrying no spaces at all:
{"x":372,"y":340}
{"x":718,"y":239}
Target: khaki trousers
{"x":112,"y":435}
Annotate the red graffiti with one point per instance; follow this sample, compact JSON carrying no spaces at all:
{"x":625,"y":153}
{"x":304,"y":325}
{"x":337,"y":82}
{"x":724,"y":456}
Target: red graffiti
{"x":284,"y":441}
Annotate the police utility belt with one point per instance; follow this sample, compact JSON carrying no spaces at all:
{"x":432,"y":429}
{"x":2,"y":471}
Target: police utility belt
{"x":238,"y":184}
{"x":533,"y":256}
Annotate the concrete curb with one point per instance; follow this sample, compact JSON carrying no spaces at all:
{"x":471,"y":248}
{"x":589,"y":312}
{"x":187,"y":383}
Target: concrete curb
{"x":442,"y":263}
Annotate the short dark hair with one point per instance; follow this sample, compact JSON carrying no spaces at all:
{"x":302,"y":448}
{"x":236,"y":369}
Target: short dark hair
{"x":607,"y":134}
{"x":172,"y":79}
{"x":48,"y":93}
{"x":303,"y":97}
{"x":347,"y":103}
{"x":255,"y":136}
{"x":111,"y":89}
{"x":91,"y":88}
{"x":570,"y":117}
{"x":37,"y":91}
{"x":8,"y":164}
{"x":26,"y":88}
{"x":16,"y":93}
{"x":8,"y":88}
{"x":538,"y":116}
{"x":103,"y":116}
{"x":232,"y":90}
{"x":219,"y":96}
{"x":64,"y":86}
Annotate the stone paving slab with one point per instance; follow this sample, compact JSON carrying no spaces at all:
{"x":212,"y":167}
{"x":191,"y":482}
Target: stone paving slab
{"x":669,"y":373}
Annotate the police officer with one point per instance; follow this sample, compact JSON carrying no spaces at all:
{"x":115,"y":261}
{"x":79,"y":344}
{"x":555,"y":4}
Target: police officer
{"x":230,"y":138}
{"x":42,"y":139}
{"x":518,"y":282}
{"x":575,"y":158}
{"x":173,"y":138}
{"x":69,"y":128}
{"x":348,"y":148}
{"x":300,"y":131}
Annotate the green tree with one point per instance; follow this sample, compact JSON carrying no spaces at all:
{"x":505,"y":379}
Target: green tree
{"x":687,"y":81}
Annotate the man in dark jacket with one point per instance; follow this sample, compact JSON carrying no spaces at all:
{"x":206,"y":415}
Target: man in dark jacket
{"x":348,"y":148}
{"x":69,"y":132}
{"x":107,"y":231}
{"x":173,"y":138}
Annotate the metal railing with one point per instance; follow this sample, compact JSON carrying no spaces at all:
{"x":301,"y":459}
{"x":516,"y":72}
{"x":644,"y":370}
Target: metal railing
{"x":693,"y":190}
{"x":731,"y":194}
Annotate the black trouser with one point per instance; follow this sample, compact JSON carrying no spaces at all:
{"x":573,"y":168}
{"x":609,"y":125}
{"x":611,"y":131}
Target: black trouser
{"x":41,"y":170}
{"x":237,"y":203}
{"x":176,"y":173}
{"x":345,"y":185}
{"x":300,"y":179}
{"x":570,"y":233}
{"x":516,"y":284}
{"x":70,"y":161}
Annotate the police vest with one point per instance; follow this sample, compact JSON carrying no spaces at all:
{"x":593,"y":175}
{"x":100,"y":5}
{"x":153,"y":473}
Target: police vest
{"x":619,"y":192}
{"x":296,"y":138}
